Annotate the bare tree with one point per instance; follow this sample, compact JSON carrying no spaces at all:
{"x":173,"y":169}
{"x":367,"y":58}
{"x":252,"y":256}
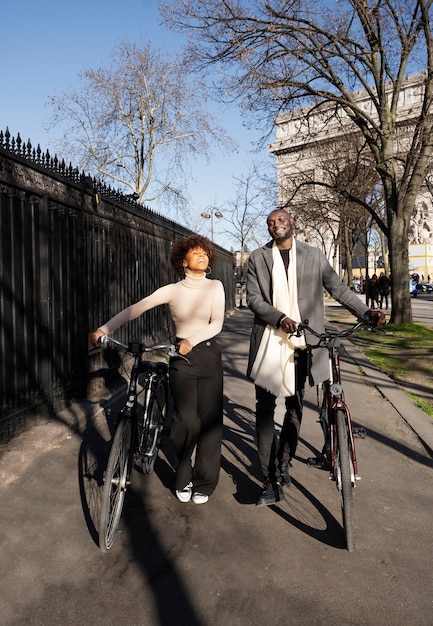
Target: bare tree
{"x":279,"y":54}
{"x":330,"y":196}
{"x":246,"y":214}
{"x":137,"y":121}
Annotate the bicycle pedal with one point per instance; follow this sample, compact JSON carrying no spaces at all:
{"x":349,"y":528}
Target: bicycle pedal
{"x":360,"y":432}
{"x":316,"y":462}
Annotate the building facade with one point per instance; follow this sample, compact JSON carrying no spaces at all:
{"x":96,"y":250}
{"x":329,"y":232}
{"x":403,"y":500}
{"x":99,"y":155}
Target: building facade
{"x":312,"y":145}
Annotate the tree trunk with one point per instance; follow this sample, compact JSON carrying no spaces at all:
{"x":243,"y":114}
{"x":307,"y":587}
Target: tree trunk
{"x":401,"y":312}
{"x":384,"y":251}
{"x":348,"y":251}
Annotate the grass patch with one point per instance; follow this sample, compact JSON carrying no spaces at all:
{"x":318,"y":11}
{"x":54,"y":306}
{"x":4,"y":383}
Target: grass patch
{"x":401,"y":351}
{"x":404,"y":353}
{"x":425,"y":406}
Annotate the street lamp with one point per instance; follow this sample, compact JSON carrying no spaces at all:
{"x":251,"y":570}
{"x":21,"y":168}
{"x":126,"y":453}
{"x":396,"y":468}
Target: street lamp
{"x":210,"y":216}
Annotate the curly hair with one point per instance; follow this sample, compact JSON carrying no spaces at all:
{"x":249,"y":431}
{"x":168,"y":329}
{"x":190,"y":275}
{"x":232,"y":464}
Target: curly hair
{"x":182,"y":246}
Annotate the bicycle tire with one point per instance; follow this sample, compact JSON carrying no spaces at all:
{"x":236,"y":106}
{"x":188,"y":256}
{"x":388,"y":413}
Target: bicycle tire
{"x":115,"y":483}
{"x":154,"y":422}
{"x":343,"y":470}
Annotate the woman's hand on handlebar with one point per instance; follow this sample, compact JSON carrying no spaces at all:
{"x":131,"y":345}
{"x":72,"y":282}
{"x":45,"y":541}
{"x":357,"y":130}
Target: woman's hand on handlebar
{"x":95,"y":337}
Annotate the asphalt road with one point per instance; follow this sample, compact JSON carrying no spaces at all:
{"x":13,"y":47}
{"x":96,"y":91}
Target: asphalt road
{"x":422,"y":308}
{"x":226,"y":563}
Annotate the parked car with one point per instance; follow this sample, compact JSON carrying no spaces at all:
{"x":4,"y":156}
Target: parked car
{"x":424,"y":287}
{"x":356,"y":286}
{"x":241,"y":285}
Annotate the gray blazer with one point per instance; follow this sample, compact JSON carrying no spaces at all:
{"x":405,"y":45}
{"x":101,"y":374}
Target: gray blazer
{"x":314,"y":274}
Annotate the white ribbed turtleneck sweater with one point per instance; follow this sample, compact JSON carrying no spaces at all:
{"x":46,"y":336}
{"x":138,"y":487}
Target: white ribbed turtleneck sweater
{"x":196,"y":306}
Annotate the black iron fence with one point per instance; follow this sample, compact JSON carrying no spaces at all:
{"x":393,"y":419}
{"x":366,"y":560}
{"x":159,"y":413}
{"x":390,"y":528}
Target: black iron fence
{"x":73,"y":252}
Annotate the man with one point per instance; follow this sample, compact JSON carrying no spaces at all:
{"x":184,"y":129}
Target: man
{"x":285,"y":284}
{"x":384,"y":287}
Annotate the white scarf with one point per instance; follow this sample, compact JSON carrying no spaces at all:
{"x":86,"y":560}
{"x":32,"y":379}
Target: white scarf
{"x":274,"y":366}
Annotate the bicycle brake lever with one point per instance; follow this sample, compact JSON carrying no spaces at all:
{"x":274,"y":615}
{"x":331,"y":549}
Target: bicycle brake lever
{"x":365,"y":319}
{"x":174,"y":351}
{"x":300,"y":328}
{"x":103,"y":340}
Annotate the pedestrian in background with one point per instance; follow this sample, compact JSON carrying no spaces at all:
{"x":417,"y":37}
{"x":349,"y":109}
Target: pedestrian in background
{"x":373,"y":292}
{"x":384,"y":287}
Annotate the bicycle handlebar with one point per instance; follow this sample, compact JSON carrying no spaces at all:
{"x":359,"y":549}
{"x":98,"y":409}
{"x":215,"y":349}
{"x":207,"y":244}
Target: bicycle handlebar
{"x":104,"y":340}
{"x":171,"y":348}
{"x":364,"y":320}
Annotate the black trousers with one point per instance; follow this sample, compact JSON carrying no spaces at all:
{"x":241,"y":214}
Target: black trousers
{"x":272,"y":451}
{"x":197,"y":389}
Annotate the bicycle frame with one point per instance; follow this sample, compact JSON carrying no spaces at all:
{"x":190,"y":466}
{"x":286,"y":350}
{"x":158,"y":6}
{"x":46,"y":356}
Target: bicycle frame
{"x":334,"y":415}
{"x":155,"y":372}
{"x":133,"y":437}
{"x":333,"y":389}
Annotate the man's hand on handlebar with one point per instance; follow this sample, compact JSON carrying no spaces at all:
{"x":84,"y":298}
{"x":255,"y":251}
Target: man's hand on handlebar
{"x":376,"y":317}
{"x":288,"y":325}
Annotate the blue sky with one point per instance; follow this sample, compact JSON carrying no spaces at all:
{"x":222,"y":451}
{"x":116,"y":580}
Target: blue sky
{"x":45,"y":44}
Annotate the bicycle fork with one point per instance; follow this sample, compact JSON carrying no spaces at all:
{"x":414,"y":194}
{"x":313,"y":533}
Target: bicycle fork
{"x":150,"y":432}
{"x":129,"y":412}
{"x":339,"y":405}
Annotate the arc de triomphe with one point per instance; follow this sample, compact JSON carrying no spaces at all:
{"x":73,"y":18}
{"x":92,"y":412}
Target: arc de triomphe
{"x":302,"y":148}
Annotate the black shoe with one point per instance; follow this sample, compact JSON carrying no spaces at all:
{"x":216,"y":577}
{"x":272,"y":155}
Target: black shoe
{"x":272,"y":493}
{"x":285,"y":479}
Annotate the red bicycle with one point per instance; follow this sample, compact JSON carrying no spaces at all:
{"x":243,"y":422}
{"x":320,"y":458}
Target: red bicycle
{"x":339,"y":454}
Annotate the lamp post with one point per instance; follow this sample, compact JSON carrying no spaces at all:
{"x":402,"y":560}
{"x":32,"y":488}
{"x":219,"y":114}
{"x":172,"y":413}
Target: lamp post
{"x":210,"y":215}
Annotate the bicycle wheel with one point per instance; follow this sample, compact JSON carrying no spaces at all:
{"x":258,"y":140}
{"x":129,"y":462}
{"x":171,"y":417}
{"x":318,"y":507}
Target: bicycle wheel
{"x":116,"y":480}
{"x":343,"y":475}
{"x":153,"y":424}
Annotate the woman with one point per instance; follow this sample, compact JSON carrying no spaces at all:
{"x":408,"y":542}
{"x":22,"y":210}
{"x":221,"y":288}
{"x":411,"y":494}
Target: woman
{"x":197,"y":307}
{"x":373,"y":292}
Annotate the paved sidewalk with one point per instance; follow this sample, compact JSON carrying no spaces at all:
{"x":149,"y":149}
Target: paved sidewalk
{"x":21,"y":450}
{"x":226,"y":563}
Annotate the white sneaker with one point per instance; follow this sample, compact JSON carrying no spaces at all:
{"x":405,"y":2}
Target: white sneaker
{"x":199,"y":498}
{"x":184,"y":495}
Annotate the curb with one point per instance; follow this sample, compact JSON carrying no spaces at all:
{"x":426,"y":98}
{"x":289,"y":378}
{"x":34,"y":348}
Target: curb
{"x":415,"y":418}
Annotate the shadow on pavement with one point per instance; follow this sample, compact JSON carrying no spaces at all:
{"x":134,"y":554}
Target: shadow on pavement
{"x":171,"y":596}
{"x":331,"y":535}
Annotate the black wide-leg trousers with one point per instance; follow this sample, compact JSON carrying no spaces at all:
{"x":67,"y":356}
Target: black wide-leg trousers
{"x":197,"y":388}
{"x":273,"y":451}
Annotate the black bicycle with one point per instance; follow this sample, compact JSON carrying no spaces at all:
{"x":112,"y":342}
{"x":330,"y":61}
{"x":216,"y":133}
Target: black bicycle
{"x":339,"y":454}
{"x":138,"y":430}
